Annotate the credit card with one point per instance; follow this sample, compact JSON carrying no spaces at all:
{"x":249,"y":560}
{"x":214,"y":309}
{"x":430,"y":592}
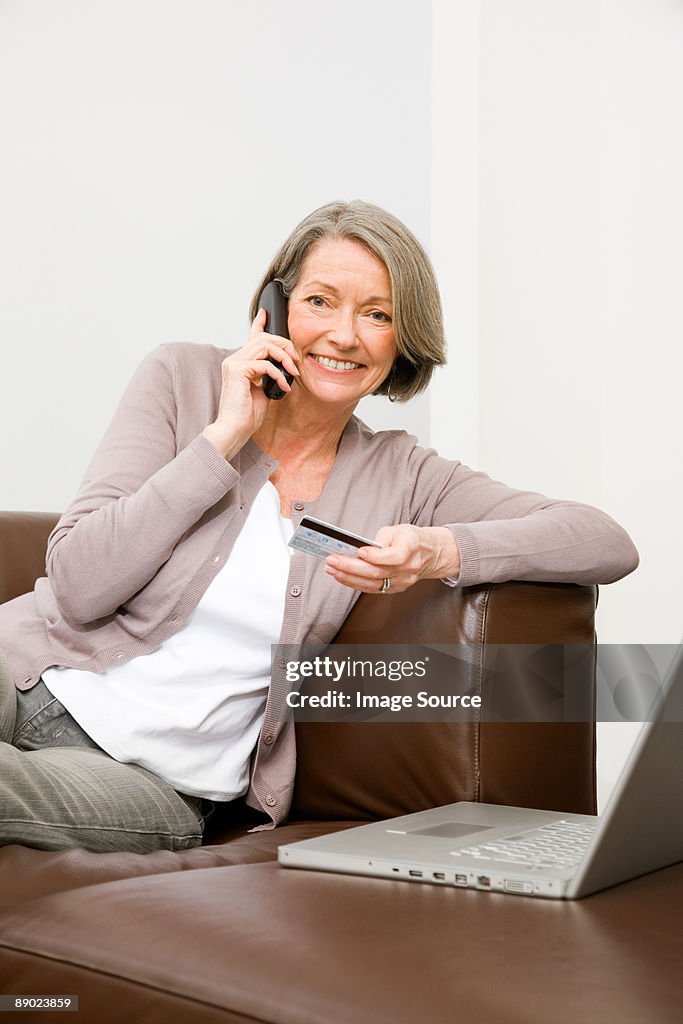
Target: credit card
{"x":320,"y":539}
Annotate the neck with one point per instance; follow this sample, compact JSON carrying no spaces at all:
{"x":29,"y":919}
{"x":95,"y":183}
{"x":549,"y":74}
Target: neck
{"x":299,"y":430}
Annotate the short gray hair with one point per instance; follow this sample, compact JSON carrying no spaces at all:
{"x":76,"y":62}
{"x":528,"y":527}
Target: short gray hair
{"x":417,"y":317}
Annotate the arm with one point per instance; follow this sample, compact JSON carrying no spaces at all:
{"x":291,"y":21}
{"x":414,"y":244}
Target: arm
{"x":468,"y":527}
{"x":505,"y":534}
{"x":139,"y":496}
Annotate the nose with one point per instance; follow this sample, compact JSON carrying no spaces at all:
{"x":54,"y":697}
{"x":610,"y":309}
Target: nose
{"x":342,"y":332}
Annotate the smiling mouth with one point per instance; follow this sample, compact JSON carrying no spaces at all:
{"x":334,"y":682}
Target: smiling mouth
{"x":336,"y":364}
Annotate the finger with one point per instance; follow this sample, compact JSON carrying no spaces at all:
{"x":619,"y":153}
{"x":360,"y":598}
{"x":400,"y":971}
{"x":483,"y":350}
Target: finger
{"x":369,"y":582}
{"x":258,"y":323}
{"x":258,"y":368}
{"x":383,"y":558}
{"x":283,"y":355}
{"x":354,"y":566}
{"x":367,"y":585}
{"x":256,"y":349}
{"x":272,"y":346}
{"x":265,"y":347}
{"x":285,"y":343}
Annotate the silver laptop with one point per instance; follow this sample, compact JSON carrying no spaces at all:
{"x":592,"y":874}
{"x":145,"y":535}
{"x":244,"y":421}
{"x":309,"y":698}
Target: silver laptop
{"x":529,"y":852}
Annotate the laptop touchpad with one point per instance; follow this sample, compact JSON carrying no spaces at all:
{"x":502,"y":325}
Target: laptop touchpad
{"x":450,"y":829}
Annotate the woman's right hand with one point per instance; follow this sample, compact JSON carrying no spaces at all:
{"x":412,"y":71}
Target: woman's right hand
{"x":243,"y":403}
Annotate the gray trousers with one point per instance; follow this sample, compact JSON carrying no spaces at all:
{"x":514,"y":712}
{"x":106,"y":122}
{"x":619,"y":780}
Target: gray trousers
{"x":58,"y":789}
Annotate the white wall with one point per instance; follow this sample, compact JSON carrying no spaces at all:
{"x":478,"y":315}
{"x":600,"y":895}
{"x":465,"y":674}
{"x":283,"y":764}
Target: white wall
{"x":154,"y":155}
{"x":578,"y":244}
{"x":455,"y":223}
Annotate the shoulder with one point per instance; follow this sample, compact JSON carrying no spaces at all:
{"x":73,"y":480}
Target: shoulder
{"x":185,"y":355}
{"x":378,"y":446}
{"x":185,"y":370}
{"x":397,"y":453}
{"x":365,"y":439}
{"x":397,"y":440}
{"x":181,"y":382}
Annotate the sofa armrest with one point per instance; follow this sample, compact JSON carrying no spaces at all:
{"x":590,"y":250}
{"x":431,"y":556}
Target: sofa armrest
{"x":372,"y":770}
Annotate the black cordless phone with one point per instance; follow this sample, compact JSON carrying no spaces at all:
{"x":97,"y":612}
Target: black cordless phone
{"x":274,"y":301}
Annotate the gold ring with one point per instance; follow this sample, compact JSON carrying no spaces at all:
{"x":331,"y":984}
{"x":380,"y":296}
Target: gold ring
{"x":386,"y":584}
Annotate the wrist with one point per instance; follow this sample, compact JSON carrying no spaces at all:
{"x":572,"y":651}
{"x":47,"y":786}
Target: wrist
{"x":225,"y":444}
{"x":444,"y":562}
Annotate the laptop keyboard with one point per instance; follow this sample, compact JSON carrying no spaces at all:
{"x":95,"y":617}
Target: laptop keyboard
{"x":559,"y":845}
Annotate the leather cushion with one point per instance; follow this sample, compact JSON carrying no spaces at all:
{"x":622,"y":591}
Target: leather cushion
{"x":262,"y":943}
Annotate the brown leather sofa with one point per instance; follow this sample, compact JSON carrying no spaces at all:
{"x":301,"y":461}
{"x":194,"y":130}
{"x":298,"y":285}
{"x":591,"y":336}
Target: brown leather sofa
{"x":221,"y":933}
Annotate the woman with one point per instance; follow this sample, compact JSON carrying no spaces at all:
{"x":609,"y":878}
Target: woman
{"x":142,"y":661}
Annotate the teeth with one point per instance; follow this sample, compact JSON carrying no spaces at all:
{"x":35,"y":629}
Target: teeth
{"x":336,"y":364}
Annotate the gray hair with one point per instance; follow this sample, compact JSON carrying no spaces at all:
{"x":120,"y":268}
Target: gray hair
{"x":417,"y":318}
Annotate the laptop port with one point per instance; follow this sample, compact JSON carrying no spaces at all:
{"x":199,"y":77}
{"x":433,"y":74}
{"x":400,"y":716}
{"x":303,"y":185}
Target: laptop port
{"x":514,"y":885}
{"x":415,"y":874}
{"x":440,"y":876}
{"x":461,"y":879}
{"x":483,"y":881}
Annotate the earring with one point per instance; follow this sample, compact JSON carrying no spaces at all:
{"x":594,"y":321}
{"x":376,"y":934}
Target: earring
{"x":392,"y":398}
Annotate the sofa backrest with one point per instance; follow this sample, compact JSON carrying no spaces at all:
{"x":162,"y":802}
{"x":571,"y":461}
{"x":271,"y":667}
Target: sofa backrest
{"x":23,"y":542}
{"x":369,"y":770}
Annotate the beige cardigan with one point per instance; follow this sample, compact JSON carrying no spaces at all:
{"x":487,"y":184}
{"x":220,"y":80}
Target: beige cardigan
{"x":159,"y":510}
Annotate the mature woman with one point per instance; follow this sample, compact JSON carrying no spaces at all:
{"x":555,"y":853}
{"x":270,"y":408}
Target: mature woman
{"x":143,"y":661}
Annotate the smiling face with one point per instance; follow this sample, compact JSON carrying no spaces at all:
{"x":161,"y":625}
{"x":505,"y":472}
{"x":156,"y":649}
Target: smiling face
{"x":340,"y":319}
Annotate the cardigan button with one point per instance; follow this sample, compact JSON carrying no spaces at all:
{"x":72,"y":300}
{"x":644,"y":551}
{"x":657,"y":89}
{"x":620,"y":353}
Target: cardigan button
{"x":268,"y":739}
{"x":299,"y":506}
{"x":295,"y":591}
{"x":271,"y":800}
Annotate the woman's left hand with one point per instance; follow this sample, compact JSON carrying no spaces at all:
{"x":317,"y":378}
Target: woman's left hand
{"x":408,"y":554}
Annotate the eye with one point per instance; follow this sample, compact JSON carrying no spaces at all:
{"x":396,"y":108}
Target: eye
{"x":317,"y":301}
{"x":380,"y":317}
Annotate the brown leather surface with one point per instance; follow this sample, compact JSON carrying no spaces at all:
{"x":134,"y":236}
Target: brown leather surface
{"x":375,"y":770}
{"x":552,"y":761}
{"x":261,"y":943}
{"x":363,"y":771}
{"x":23,"y":540}
{"x":27,"y":874}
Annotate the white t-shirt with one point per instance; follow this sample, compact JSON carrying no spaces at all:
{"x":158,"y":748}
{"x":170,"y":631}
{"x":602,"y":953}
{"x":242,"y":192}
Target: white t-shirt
{"x":192,"y":710}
